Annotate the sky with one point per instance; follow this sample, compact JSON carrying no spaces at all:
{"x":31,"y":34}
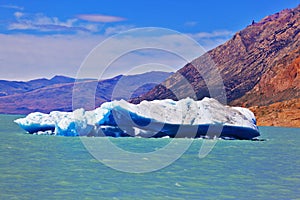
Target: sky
{"x":46,"y":38}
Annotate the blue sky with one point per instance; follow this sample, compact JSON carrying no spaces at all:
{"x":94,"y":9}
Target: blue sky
{"x":44,"y":38}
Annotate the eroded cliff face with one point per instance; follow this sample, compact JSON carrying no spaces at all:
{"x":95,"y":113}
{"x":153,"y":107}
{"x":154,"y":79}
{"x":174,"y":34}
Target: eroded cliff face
{"x":286,"y":113}
{"x":279,"y":83}
{"x":259,"y":66}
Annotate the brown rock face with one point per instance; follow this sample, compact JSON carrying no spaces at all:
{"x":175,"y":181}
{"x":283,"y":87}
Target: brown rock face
{"x":258,"y":66}
{"x":286,"y":113}
{"x":281,"y":82}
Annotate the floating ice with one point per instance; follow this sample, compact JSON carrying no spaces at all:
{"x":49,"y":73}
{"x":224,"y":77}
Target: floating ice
{"x":158,"y":118}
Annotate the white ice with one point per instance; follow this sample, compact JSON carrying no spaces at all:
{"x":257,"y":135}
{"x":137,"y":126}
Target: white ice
{"x":144,"y":119}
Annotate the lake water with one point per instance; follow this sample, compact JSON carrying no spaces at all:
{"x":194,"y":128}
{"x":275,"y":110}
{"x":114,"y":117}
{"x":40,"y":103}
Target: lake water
{"x":50,"y":167}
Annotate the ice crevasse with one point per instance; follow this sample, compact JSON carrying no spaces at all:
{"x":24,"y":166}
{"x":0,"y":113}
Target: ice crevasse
{"x":158,"y":118}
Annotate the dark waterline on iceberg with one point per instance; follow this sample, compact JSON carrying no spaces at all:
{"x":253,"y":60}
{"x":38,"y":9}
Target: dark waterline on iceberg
{"x":168,"y":130}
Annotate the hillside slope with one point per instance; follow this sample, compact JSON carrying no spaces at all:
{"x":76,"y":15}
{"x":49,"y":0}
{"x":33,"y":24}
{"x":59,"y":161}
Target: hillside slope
{"x":259,"y":65}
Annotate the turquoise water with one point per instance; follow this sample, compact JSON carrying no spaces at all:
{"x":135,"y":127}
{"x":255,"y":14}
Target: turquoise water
{"x":49,"y":167}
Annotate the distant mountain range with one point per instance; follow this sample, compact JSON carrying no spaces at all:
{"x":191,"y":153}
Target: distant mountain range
{"x":260,"y":67}
{"x":18,"y":87}
{"x":45,"y":95}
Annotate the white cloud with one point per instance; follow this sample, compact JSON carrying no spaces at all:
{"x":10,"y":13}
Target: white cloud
{"x":93,"y":27}
{"x":100,"y":18}
{"x":18,"y":14}
{"x":12,"y":7}
{"x":19,"y":26}
{"x":41,"y":22}
{"x":210,"y":40}
{"x":25,"y":57}
{"x":214,"y":34}
{"x":117,"y":29}
{"x":28,"y":56}
{"x":121,"y":53}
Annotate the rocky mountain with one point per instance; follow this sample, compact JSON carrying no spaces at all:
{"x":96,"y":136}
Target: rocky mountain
{"x":259,"y":66}
{"x":56,"y":94}
{"x":16,"y":87}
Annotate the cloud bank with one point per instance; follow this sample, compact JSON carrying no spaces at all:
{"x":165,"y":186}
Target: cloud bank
{"x":41,"y":22}
{"x":24,"y":56}
{"x":9,"y":6}
{"x":100,"y":18}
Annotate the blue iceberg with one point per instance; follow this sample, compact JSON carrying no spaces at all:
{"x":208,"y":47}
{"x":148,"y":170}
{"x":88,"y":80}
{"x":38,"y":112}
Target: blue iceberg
{"x":158,"y":118}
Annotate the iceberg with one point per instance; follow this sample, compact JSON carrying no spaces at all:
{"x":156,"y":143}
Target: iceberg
{"x":158,"y":118}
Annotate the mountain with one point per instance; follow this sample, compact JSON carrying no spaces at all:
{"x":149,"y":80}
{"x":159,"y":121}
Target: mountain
{"x":16,"y":87}
{"x":259,"y":66}
{"x":45,"y":95}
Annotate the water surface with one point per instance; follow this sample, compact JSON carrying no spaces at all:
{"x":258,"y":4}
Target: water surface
{"x":49,"y":167}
